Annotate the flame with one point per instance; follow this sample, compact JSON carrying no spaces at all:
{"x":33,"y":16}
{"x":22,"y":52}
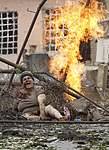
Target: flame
{"x":80,"y":21}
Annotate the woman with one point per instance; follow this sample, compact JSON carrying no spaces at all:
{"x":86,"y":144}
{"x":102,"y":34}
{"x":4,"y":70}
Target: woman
{"x":31,"y":101}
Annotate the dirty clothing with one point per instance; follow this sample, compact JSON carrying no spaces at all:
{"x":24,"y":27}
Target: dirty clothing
{"x":28,"y":102}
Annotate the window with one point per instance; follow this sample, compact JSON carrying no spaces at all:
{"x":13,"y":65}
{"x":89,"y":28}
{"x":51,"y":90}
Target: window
{"x":85,"y":51}
{"x":8,"y":32}
{"x":53,"y":39}
{"x":50,"y":34}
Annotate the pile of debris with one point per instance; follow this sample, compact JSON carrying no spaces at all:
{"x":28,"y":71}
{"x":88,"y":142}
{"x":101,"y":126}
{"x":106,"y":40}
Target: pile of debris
{"x":80,"y":108}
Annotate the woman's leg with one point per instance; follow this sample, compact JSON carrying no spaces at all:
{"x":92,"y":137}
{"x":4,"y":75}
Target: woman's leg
{"x":31,"y":117}
{"x":52,"y":112}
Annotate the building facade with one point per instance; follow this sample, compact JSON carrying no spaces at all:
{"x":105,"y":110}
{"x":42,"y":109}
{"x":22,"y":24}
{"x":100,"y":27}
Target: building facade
{"x":15,"y":20}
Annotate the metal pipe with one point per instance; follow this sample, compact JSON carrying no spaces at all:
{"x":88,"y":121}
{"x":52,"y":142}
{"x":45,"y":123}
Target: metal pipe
{"x":12,"y":64}
{"x":70,"y":93}
{"x":27,"y":37}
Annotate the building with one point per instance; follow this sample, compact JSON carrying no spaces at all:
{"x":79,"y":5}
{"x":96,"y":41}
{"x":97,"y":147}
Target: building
{"x":15,"y":20}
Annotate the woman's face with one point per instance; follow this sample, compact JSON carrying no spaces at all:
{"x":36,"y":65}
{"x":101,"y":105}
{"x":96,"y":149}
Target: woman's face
{"x":28,"y":82}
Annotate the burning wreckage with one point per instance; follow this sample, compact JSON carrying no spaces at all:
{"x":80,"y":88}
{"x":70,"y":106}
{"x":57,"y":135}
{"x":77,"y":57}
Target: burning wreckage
{"x":64,"y":92}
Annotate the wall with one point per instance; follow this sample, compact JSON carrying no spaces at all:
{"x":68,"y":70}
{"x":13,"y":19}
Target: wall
{"x":24,"y":21}
{"x":102,"y":54}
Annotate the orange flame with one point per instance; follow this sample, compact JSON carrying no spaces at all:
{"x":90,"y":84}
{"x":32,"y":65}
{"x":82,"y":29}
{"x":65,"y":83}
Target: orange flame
{"x":80,"y":22}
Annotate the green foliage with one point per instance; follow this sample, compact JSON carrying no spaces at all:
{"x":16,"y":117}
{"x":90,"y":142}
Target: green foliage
{"x":18,"y":71}
{"x":52,"y":148}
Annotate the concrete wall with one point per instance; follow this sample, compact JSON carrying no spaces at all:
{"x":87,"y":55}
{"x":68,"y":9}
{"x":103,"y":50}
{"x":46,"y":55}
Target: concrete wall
{"x":24,"y":21}
{"x":107,"y":5}
{"x":102,"y":47}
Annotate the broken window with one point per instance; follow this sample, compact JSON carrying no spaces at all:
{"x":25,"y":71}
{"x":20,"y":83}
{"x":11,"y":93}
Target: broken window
{"x":8,"y":32}
{"x":54,"y":36}
{"x":85,"y":51}
{"x":50,"y":34}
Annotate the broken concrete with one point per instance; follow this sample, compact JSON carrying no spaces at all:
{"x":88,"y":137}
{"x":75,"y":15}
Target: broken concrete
{"x":38,"y":62}
{"x":102,"y":77}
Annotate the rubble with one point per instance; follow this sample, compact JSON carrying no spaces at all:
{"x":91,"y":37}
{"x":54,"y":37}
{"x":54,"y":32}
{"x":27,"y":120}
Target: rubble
{"x":55,"y":96}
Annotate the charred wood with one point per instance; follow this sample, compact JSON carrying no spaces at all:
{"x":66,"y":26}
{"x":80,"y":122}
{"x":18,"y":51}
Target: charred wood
{"x":87,"y":3}
{"x":65,"y":73}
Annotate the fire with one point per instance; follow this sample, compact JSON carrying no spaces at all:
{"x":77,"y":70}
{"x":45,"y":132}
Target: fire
{"x":77,"y":21}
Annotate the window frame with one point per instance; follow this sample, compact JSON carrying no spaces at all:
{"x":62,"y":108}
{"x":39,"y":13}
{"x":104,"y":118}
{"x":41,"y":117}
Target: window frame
{"x":8,"y":32}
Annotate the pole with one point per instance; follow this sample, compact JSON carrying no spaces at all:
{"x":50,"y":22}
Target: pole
{"x":27,"y":37}
{"x":12,"y":64}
